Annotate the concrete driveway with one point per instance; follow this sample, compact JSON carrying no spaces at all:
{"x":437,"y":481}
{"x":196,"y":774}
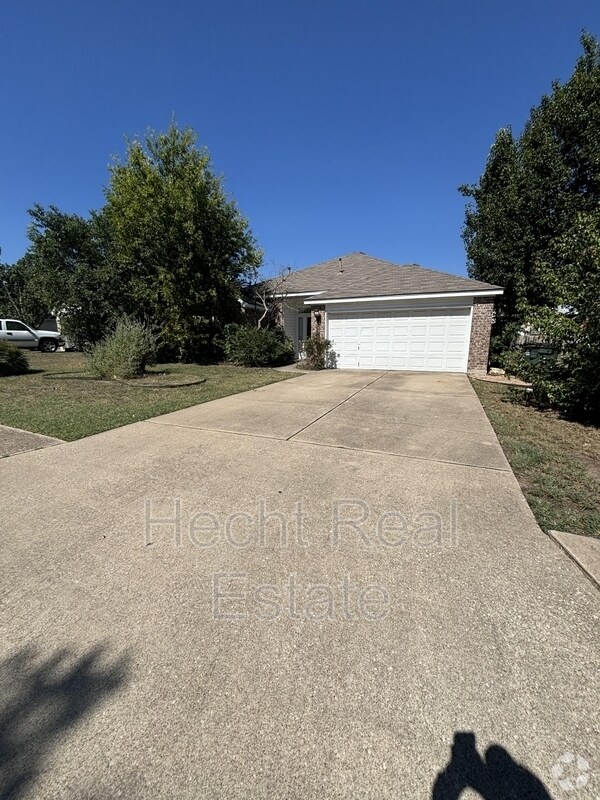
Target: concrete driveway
{"x":347,"y":597}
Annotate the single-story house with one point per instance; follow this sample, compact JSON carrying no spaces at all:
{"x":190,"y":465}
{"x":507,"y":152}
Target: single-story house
{"x":380,"y":315}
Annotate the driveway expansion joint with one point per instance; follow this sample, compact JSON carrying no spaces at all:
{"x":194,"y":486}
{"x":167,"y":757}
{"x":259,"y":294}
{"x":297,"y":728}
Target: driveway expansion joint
{"x":156,"y":421}
{"x":341,"y":403}
{"x":307,"y":443}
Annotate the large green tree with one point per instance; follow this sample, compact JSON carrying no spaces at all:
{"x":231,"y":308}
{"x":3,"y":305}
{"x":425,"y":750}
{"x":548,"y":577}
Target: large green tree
{"x":532,"y":226}
{"x":494,"y":232}
{"x":169,"y":248}
{"x":71,"y":271}
{"x":182,"y":245}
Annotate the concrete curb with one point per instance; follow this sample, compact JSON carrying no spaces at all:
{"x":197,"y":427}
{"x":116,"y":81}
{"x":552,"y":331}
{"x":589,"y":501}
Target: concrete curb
{"x":583,"y":550}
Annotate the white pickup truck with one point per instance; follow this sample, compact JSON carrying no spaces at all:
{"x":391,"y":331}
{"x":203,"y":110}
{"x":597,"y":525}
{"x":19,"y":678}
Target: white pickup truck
{"x":21,"y":335}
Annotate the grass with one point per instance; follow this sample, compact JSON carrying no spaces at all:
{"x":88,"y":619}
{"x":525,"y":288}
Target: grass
{"x":71,"y":407}
{"x":556,"y":462}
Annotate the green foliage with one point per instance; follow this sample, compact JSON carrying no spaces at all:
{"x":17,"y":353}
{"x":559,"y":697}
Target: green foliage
{"x":182,"y":246}
{"x":515,"y":363}
{"x":71,"y":270}
{"x":257,"y":347}
{"x":169,"y":248}
{"x":12,"y":360}
{"x":19,"y":297}
{"x":493,"y":231}
{"x":534,"y":227}
{"x":125,"y":353}
{"x":316,"y":351}
{"x":570,"y":381}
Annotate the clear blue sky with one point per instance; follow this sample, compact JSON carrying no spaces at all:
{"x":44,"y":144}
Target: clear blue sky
{"x":339,"y":125}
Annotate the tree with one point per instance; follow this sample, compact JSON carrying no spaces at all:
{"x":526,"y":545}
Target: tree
{"x":270,"y":296}
{"x":569,"y":379}
{"x":71,"y":270}
{"x":182,"y":246}
{"x":19,"y":298}
{"x":532,"y":190}
{"x":494,"y":233}
{"x":533,"y":225}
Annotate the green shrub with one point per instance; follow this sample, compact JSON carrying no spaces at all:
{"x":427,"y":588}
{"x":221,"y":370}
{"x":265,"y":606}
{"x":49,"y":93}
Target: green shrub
{"x":569,"y":384}
{"x":515,"y":363}
{"x":125,"y":353}
{"x":12,"y":360}
{"x":257,"y":347}
{"x":316,"y":351}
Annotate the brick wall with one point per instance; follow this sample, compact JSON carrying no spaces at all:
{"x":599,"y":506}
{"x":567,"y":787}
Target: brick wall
{"x":481,"y":326}
{"x":317,"y":321}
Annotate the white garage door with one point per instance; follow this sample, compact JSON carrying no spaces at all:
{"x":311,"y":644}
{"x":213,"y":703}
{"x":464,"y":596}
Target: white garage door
{"x":432,"y":339}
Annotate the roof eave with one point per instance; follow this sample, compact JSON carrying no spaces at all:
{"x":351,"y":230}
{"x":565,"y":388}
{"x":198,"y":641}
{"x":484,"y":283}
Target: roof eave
{"x":298,"y":294}
{"x":413,"y":296}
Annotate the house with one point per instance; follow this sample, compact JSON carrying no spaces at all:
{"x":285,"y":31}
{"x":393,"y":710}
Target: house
{"x":380,"y":315}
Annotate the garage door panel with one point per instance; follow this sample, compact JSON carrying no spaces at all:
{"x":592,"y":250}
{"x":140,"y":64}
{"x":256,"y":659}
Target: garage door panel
{"x":417,"y":347}
{"x":457,"y":330}
{"x":435,"y":363}
{"x":418,"y":330}
{"x":420,"y":340}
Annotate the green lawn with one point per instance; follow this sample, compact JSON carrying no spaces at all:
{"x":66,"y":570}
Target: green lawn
{"x":556,"y":462}
{"x":72,"y":408}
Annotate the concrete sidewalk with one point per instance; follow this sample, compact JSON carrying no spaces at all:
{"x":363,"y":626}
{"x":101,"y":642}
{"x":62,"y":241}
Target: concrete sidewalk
{"x":339,"y":652}
{"x":14,"y":440}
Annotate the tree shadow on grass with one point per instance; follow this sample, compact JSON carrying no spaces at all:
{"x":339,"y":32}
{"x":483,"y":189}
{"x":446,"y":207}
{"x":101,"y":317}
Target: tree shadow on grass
{"x":496,"y":776}
{"x":42,"y":699}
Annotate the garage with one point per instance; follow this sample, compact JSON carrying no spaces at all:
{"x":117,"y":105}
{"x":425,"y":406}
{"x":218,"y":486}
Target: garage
{"x":381,"y":315}
{"x":434,"y":339}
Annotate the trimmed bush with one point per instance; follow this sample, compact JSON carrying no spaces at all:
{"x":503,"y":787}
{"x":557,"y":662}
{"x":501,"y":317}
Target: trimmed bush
{"x":257,"y":347}
{"x":125,"y":353}
{"x":12,"y":360}
{"x":316,"y":350}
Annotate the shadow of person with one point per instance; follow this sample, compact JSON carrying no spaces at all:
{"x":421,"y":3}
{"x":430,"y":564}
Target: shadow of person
{"x":43,"y":699}
{"x":496,"y":777}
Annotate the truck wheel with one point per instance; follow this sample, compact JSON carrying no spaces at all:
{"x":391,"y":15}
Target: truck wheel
{"x":48,"y":345}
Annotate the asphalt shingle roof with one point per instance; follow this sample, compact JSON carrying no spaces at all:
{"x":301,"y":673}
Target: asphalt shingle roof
{"x":365,"y":276}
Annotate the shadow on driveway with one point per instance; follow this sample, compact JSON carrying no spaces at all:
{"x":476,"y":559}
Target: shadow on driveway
{"x":497,"y":776}
{"x":44,"y":697}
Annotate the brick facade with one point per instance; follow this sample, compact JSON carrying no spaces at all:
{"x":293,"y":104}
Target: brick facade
{"x":317,"y":321}
{"x":481,"y":326}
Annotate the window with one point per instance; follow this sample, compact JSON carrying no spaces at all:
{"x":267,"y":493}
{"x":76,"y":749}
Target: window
{"x":16,"y":326}
{"x":304,"y":327}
